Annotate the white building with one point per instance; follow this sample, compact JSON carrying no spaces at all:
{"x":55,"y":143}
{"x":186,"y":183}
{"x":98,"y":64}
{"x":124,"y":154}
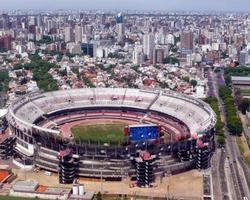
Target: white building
{"x":138,"y":55}
{"x":189,"y":59}
{"x":74,"y":48}
{"x":68,"y":35}
{"x":20,"y":49}
{"x":78,"y":34}
{"x":148,"y":45}
{"x":31,"y":46}
{"x":243,"y":57}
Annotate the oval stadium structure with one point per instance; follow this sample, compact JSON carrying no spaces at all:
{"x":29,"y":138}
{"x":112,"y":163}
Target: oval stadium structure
{"x":185,"y":139}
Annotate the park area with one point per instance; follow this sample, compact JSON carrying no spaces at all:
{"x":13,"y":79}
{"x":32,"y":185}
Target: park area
{"x":101,"y":133}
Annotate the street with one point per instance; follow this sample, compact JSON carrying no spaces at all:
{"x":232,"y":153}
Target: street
{"x":238,"y":173}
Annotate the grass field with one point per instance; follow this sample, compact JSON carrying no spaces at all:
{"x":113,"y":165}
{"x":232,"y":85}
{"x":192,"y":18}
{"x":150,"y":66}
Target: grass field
{"x":243,"y":150}
{"x":112,"y":133}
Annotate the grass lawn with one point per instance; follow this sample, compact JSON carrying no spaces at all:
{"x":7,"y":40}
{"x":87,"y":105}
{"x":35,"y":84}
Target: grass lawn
{"x":112,"y":133}
{"x":243,"y":150}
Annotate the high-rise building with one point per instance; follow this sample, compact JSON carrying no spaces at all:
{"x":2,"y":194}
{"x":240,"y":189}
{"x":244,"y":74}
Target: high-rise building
{"x":243,"y":57}
{"x":50,"y":25}
{"x":189,"y":59}
{"x":138,"y":55}
{"x":5,"y":42}
{"x":148,"y":45}
{"x":81,"y":16}
{"x":187,"y":41}
{"x":88,"y":49}
{"x":74,"y":48}
{"x":31,"y":46}
{"x":158,"y":55}
{"x":39,"y":21}
{"x":103,"y":19}
{"x":248,"y":36}
{"x":120,"y":28}
{"x":39,"y":33}
{"x":32,"y":21}
{"x":68,"y":34}
{"x":78,"y":34}
{"x":4,"y":21}
{"x":119,"y":18}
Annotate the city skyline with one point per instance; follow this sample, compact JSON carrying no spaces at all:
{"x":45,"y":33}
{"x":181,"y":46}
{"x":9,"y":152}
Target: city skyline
{"x":190,"y":5}
{"x":119,"y":99}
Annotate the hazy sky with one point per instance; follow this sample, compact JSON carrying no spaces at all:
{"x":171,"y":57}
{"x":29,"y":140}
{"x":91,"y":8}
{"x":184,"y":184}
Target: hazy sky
{"x":202,"y":5}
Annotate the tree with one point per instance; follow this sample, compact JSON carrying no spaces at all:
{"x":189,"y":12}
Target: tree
{"x":228,"y":80}
{"x":40,"y":70}
{"x":213,"y":102}
{"x":4,"y":80}
{"x":234,"y":124}
{"x":193,"y":83}
{"x":171,"y":60}
{"x":220,"y":140}
{"x":163,"y":85}
{"x":23,"y":81}
{"x":4,"y":75}
{"x":115,"y":55}
{"x":99,"y":196}
{"x":186,"y":78}
{"x":244,"y":105}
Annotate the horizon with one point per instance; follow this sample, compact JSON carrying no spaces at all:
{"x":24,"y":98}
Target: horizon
{"x":129,"y":5}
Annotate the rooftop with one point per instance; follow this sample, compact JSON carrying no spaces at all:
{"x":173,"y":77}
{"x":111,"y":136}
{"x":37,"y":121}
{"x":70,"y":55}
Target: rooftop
{"x":240,"y":78}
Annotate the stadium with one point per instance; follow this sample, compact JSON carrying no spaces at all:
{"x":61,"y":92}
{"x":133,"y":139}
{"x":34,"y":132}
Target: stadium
{"x":112,"y":133}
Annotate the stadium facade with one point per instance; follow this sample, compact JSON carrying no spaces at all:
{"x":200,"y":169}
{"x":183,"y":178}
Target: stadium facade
{"x":187,"y":125}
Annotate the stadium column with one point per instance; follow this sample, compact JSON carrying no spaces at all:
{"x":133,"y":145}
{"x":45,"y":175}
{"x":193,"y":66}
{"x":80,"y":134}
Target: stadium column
{"x":68,"y":164}
{"x":144,"y":169}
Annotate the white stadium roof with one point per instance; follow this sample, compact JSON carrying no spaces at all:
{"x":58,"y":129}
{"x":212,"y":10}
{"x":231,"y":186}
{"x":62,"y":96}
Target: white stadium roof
{"x":3,"y":112}
{"x":196,"y":114}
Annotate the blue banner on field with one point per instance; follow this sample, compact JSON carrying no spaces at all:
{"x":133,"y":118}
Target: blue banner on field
{"x":143,"y":133}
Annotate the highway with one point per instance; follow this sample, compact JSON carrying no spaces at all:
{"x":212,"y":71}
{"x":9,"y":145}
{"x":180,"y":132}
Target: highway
{"x":238,"y":168}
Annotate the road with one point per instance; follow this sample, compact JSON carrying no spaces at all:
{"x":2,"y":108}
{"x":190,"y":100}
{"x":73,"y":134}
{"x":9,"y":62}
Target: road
{"x":219,"y":178}
{"x":239,"y":170}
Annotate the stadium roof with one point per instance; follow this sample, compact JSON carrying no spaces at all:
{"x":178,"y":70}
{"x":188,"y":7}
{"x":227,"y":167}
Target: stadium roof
{"x":196,"y":114}
{"x":3,"y":112}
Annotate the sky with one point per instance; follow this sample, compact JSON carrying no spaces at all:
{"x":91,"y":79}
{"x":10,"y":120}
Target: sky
{"x":186,"y":5}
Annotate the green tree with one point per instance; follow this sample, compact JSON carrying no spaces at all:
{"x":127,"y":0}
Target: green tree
{"x":220,"y":140}
{"x":99,"y":196}
{"x":244,"y":105}
{"x":193,"y":83}
{"x":227,"y":79}
{"x":234,"y":124}
{"x":4,"y":80}
{"x":219,"y":124}
{"x":186,"y":78}
{"x":171,"y":60}
{"x":40,"y":70}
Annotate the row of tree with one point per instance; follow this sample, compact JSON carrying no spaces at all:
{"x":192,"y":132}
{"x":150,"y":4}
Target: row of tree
{"x":234,"y":124}
{"x":213,"y":102}
{"x":4,"y":80}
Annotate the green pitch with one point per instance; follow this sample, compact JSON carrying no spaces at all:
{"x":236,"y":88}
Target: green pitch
{"x":111,"y":133}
